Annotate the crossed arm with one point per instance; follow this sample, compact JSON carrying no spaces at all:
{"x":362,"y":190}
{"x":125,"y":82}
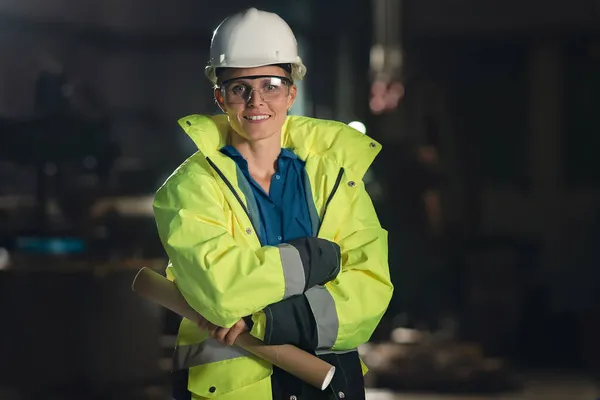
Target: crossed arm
{"x":311,"y":292}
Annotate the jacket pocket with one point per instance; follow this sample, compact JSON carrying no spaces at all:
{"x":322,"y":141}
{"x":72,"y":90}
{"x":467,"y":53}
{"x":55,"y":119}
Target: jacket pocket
{"x":218,"y":378}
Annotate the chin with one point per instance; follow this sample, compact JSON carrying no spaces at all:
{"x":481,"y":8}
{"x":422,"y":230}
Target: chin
{"x":262,"y":131}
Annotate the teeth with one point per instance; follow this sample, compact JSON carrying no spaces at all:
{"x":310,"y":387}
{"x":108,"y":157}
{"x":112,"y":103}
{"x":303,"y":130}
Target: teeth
{"x":257,"y":117}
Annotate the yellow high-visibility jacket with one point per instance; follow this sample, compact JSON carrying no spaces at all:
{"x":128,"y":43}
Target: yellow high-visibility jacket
{"x":225,"y":274}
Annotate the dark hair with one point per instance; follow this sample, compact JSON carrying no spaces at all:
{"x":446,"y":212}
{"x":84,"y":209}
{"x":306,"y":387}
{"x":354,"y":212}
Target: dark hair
{"x":286,"y":67}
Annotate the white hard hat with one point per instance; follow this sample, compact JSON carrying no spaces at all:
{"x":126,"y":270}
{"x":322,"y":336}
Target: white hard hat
{"x":253,"y":38}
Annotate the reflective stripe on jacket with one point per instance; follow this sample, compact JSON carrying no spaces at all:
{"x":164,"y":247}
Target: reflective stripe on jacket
{"x":223,"y":272}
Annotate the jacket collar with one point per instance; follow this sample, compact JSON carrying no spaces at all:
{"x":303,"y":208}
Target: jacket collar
{"x":303,"y":135}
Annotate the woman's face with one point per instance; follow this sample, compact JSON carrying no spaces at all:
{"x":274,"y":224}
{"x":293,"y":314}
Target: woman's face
{"x":256,"y":100}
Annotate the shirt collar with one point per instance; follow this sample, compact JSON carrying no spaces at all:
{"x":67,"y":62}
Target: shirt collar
{"x":287,"y":153}
{"x":232,"y":152}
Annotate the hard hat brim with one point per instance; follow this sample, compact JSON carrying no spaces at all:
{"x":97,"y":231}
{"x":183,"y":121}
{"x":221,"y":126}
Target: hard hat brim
{"x":298,"y":69}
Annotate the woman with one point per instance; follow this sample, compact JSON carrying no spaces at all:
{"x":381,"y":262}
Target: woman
{"x":269,"y":229}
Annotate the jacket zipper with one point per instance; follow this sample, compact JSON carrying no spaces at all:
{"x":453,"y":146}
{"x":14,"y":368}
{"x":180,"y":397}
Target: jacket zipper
{"x":338,"y":180}
{"x":235,"y":193}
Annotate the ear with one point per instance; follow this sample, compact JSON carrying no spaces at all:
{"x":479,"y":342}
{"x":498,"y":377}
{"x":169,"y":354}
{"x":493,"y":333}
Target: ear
{"x":219,"y":99}
{"x":292,"y":96}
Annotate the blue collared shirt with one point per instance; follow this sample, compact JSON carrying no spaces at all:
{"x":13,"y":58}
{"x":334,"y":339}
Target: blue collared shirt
{"x":287,"y":212}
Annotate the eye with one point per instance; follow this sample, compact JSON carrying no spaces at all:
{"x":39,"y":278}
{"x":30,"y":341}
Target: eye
{"x":271,"y":88}
{"x":238,"y":89}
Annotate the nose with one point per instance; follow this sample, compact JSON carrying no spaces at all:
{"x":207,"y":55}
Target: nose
{"x":255,"y":98}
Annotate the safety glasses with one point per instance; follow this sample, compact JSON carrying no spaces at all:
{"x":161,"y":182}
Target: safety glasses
{"x":270,"y":88}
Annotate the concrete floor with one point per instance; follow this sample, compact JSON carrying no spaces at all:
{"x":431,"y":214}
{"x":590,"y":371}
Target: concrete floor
{"x":536,"y":387}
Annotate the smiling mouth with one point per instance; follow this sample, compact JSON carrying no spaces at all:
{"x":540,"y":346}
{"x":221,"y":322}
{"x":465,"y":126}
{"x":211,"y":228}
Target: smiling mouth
{"x":256,"y":117}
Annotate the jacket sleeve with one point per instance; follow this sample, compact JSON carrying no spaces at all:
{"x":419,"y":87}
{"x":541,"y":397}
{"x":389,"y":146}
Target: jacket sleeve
{"x":221,"y":279}
{"x":343,"y":313}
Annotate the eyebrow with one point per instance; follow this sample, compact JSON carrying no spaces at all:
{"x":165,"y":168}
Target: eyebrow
{"x":254,"y":77}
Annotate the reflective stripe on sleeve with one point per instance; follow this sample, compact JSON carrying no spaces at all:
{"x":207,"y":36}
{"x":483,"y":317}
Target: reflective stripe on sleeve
{"x":293,"y":270}
{"x":323,"y":309}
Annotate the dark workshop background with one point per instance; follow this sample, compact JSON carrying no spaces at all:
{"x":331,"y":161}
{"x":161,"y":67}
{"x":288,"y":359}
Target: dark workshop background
{"x":489,"y":184}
